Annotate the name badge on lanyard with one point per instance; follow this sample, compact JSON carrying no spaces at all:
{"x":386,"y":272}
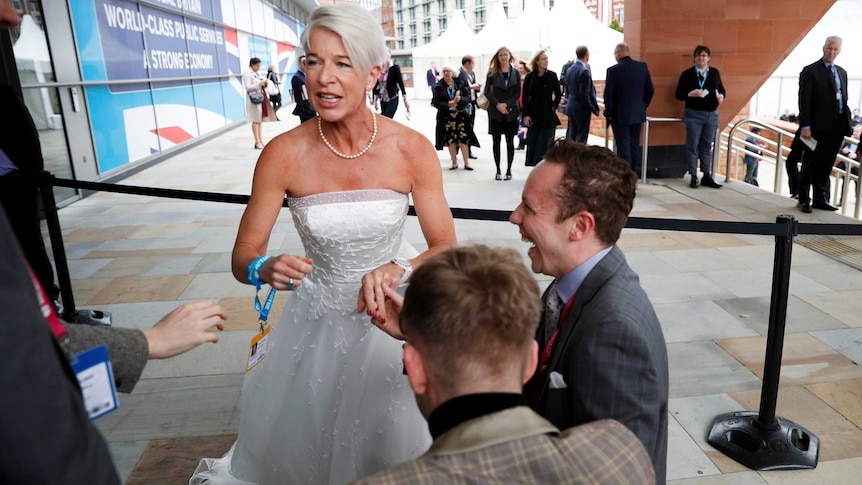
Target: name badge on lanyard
{"x":96,"y":378}
{"x":258,"y":347}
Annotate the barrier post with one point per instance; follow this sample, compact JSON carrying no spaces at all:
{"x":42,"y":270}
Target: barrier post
{"x":70,"y":313}
{"x":762,"y":441}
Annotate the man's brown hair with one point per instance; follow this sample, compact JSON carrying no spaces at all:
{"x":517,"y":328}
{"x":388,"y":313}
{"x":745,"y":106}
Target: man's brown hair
{"x":471,"y":306}
{"x":597,"y":181}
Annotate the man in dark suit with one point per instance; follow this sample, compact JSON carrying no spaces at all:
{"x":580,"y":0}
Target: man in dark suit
{"x":825,"y":117}
{"x":298,"y":86}
{"x":603,"y":354}
{"x":468,"y":77}
{"x":432,"y":76}
{"x":581,"y":95}
{"x":628,"y":92}
{"x":469,"y":316}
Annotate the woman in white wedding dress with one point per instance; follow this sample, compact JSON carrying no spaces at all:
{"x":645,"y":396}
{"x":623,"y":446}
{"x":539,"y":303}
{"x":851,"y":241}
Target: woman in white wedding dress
{"x":330,"y":403}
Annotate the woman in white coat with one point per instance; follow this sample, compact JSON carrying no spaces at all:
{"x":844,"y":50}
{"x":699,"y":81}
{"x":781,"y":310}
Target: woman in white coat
{"x":254,"y":83}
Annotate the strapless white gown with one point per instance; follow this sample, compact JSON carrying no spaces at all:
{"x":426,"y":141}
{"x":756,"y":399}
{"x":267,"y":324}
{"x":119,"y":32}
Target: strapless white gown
{"x":330,"y":402}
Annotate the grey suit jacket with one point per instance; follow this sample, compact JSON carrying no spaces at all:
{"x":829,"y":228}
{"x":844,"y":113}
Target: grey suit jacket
{"x":517,"y":446}
{"x":610,"y":360}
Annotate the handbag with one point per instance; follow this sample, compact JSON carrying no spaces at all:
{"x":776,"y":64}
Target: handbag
{"x":256,"y":98}
{"x":271,"y":88}
{"x":482,"y":101}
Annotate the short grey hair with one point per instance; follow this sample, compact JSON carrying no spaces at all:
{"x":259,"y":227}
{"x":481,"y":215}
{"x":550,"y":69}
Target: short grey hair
{"x":833,"y":39}
{"x":622,"y":48}
{"x":360,"y":33}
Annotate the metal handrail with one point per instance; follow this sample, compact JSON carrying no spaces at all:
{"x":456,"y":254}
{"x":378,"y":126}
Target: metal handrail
{"x":780,"y":148}
{"x":778,"y":157}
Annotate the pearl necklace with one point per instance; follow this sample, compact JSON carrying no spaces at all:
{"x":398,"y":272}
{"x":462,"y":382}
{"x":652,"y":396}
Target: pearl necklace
{"x":342,"y":155}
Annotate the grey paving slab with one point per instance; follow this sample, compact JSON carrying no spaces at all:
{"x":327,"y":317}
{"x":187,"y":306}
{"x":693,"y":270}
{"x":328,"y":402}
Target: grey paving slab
{"x":227,"y":356}
{"x":758,"y":282}
{"x":175,"y":266}
{"x":699,"y":260}
{"x":81,"y":269}
{"x":848,"y":341}
{"x":171,"y":414}
{"x":836,"y":472}
{"x":698,"y":368}
{"x":836,"y":276}
{"x":738,"y":478}
{"x":696,"y":414}
{"x":801,"y":317}
{"x":685,"y":458}
{"x":139,"y":315}
{"x":647,"y":263}
{"x":126,"y":455}
{"x":680,"y":287}
{"x":698,"y":320}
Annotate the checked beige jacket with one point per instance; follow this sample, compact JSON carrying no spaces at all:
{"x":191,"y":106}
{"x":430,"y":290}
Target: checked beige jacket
{"x":519,"y":446}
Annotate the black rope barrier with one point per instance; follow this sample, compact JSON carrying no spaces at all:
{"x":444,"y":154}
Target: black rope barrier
{"x":759,"y":440}
{"x":687,"y":225}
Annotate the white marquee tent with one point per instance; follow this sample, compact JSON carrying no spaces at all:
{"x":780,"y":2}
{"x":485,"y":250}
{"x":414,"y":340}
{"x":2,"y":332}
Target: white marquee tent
{"x":573,"y":25}
{"x":449,"y":48}
{"x":34,"y":63}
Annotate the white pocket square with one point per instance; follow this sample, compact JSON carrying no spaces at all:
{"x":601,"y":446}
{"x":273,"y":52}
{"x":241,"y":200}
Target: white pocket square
{"x":557,"y":381}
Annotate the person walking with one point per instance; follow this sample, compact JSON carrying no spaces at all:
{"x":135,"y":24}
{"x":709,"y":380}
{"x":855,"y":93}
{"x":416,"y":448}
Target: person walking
{"x":389,"y":82}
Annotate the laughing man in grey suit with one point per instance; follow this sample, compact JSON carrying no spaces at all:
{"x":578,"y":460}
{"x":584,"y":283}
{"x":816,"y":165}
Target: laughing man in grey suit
{"x":603,"y":354}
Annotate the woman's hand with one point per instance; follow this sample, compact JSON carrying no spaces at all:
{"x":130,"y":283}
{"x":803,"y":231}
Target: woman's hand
{"x":502,"y":108}
{"x":527,"y":121}
{"x":391,"y":325}
{"x":372,"y":298}
{"x":285,"y":271}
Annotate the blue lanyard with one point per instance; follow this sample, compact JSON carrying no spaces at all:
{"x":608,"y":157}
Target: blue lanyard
{"x":451,"y":92}
{"x":253,"y":275}
{"x":701,"y":80}
{"x":506,"y":80}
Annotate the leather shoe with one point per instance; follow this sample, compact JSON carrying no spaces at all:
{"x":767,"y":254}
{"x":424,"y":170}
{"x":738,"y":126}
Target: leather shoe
{"x":825,"y":206}
{"x":693,"y":184}
{"x":472,"y":157}
{"x":804,"y":207}
{"x":708,"y":182}
{"x":794,"y":196}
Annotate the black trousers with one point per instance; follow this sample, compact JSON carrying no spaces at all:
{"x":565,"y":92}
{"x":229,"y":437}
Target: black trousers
{"x":817,"y":167}
{"x":19,"y":196}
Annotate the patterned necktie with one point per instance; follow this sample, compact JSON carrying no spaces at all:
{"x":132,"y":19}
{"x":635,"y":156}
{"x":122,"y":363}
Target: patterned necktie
{"x":837,"y":82}
{"x":553,"y":309}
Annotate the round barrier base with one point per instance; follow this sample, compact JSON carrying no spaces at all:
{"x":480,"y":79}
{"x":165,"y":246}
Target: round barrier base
{"x":783,"y":445}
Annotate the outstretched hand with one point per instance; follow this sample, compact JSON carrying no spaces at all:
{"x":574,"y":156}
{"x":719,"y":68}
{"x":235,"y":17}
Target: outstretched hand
{"x":391,"y":325}
{"x":184,"y":329}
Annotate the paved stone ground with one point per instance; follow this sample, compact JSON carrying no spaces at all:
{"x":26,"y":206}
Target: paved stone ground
{"x":139,"y":257}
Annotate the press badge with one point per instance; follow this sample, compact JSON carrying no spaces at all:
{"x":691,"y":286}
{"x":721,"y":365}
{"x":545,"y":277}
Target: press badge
{"x":96,"y":378}
{"x":257,"y":349}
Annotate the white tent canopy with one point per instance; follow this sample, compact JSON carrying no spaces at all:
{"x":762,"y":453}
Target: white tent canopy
{"x":493,"y":34}
{"x":573,"y":25}
{"x":34,"y":62}
{"x":449,"y":48}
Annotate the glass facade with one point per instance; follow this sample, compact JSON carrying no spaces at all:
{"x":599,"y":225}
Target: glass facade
{"x":159,"y":73}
